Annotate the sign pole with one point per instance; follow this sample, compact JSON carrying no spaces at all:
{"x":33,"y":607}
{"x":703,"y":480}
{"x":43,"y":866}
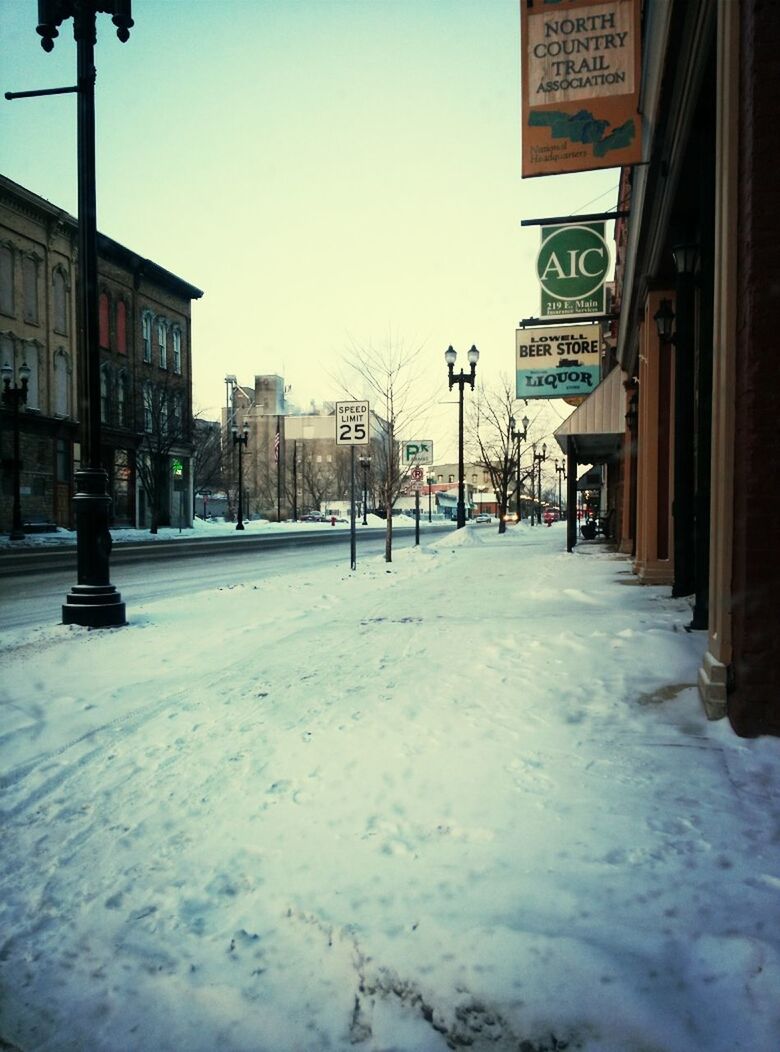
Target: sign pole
{"x":416,"y":516}
{"x":352,"y":530}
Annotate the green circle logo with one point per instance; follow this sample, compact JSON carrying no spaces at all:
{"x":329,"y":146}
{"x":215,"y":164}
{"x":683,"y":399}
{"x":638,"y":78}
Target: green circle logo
{"x":572,"y":262}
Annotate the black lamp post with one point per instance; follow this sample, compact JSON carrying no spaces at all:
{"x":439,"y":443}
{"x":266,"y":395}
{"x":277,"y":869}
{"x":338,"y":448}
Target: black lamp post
{"x":518,"y":436}
{"x":240,"y":439}
{"x":538,"y":459}
{"x":430,"y":480}
{"x":461,"y":380}
{"x":687,"y":537}
{"x":365,"y":463}
{"x":92,"y":602}
{"x":13,"y":398}
{"x":561,"y":471}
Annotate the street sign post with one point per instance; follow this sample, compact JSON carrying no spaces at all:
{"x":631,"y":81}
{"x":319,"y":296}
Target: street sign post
{"x":352,"y":430}
{"x":419,"y":452}
{"x":351,"y":423}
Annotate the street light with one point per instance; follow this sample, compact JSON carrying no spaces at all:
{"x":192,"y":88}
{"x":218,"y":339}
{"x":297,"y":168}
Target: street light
{"x":518,"y":436}
{"x":461,"y":380}
{"x":561,"y":470}
{"x":365,"y":463}
{"x":14,"y":397}
{"x":430,"y":480}
{"x":93,"y":602}
{"x":538,"y":459}
{"x":240,"y":440}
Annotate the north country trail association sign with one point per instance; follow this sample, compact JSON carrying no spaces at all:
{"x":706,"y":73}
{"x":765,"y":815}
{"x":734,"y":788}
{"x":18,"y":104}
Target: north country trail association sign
{"x":557,"y":363}
{"x":580,"y":72}
{"x":572,"y":267}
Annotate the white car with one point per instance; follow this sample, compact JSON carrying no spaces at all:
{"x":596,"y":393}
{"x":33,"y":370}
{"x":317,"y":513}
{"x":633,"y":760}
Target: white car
{"x":483,"y":517}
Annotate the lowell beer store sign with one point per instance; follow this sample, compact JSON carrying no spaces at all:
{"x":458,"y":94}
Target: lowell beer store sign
{"x":557,"y":363}
{"x":572,"y":267}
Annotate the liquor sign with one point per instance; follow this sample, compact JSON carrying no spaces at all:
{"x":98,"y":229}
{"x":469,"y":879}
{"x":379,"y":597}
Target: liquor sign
{"x":557,"y":363}
{"x":351,"y":423}
{"x":580,"y":69}
{"x":572,"y":267}
{"x":419,"y":452}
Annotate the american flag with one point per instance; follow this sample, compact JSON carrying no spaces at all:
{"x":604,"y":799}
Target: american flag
{"x":277,"y":440}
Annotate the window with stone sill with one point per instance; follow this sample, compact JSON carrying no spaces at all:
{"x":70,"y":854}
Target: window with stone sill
{"x":59,"y":284}
{"x":162,"y":344}
{"x":121,"y":327}
{"x":146,"y":330}
{"x":177,"y":351}
{"x":30,"y":288}
{"x":6,"y":280}
{"x":104,"y":321}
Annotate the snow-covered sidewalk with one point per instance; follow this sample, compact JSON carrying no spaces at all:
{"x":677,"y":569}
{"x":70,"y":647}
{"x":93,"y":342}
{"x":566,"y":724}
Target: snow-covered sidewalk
{"x":467,"y":799}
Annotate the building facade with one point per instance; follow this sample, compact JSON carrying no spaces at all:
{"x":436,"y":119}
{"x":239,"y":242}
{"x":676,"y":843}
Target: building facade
{"x":145,"y":369}
{"x":684,"y":424}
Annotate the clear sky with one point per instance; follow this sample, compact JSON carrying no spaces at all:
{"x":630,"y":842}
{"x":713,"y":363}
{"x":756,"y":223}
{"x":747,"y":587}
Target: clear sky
{"x":327,"y":171}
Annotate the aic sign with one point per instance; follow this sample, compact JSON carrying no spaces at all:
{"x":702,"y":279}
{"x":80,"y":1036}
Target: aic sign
{"x":351,"y":423}
{"x":572,"y":267}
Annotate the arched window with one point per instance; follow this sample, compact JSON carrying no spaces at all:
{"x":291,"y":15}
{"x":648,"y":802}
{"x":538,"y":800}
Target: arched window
{"x":146,"y":329}
{"x":121,"y":327}
{"x":105,"y":400}
{"x":30,"y":357}
{"x":162,"y":342}
{"x":6,"y":279}
{"x":103,"y":321}
{"x":121,"y":399}
{"x":177,"y":350}
{"x":176,"y":415}
{"x":148,"y":408}
{"x":30,"y":286}
{"x":61,"y":383}
{"x":60,"y":300}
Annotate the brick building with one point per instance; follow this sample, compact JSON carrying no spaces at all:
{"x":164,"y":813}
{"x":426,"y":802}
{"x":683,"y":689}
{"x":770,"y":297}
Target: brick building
{"x":145,"y":378}
{"x":685,"y":424}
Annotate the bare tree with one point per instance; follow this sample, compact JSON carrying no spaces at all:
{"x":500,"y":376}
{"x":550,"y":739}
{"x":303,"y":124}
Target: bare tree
{"x":207,"y":468}
{"x":491,"y":434}
{"x":490,"y":429}
{"x":164,"y":430}
{"x":388,"y":377}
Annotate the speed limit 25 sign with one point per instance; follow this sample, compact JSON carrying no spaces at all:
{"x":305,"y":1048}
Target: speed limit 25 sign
{"x":351,"y":423}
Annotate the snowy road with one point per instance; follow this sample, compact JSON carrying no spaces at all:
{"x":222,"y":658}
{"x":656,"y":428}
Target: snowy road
{"x":36,"y":600}
{"x":469,"y":799}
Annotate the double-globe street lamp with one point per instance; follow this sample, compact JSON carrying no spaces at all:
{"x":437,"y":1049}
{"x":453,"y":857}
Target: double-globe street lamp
{"x":450,"y":356}
{"x":365,"y":463}
{"x":93,"y":602}
{"x":539,"y":458}
{"x":14,"y":396}
{"x":240,"y":439}
{"x":518,"y":437}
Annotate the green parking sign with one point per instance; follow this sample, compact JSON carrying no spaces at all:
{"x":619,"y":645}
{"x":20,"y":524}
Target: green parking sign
{"x":572,"y":267}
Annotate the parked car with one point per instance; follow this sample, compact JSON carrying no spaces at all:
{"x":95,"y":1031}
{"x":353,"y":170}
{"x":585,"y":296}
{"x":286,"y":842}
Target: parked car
{"x":314,"y":516}
{"x":483,"y":517}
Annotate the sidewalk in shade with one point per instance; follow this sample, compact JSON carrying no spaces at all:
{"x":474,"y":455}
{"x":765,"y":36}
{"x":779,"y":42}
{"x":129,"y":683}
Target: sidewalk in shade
{"x":466,"y":799}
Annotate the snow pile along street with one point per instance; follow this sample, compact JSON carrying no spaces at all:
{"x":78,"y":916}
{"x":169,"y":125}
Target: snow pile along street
{"x":467,"y":799}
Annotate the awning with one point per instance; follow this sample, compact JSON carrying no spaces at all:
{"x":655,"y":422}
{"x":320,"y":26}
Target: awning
{"x":595,"y":430}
